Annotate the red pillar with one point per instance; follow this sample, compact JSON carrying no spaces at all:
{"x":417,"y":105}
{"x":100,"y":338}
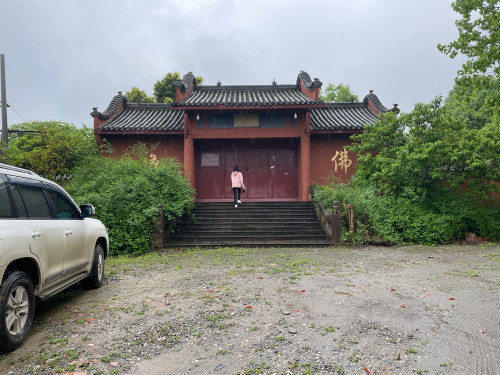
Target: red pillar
{"x":305,"y":161}
{"x":189,"y":158}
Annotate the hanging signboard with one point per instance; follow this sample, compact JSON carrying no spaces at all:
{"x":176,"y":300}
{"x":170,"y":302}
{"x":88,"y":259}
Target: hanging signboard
{"x":246,"y":121}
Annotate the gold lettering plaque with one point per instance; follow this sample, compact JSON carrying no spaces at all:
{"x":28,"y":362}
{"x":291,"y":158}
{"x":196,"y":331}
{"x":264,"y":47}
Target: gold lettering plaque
{"x":246,"y":121}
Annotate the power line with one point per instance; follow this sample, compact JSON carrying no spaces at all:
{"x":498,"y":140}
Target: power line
{"x":14,"y":110}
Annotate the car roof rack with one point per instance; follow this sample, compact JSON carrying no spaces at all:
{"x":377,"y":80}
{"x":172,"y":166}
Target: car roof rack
{"x":17,"y":169}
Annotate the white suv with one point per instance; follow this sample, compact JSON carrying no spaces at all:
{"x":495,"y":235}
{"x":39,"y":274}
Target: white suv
{"x":47,"y":243}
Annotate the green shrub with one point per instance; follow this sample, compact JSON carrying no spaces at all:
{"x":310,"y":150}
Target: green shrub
{"x":440,"y":217}
{"x":126,"y":194}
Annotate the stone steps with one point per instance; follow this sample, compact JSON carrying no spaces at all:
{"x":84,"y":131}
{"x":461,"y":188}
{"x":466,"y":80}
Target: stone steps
{"x":251,"y":224}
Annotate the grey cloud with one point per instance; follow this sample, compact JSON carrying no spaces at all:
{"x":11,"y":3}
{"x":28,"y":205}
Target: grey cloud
{"x":64,"y":57}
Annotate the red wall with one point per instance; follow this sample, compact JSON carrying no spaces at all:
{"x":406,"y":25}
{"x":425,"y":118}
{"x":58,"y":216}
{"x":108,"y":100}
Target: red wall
{"x":323,"y":149}
{"x":170,"y":145}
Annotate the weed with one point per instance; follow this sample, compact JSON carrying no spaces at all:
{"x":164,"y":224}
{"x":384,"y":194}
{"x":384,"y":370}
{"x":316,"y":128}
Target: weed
{"x":410,"y":351}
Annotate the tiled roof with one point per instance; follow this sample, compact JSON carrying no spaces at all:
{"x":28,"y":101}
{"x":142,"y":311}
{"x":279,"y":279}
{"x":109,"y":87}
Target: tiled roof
{"x":145,"y":117}
{"x":341,"y":116}
{"x":247,"y":96}
{"x":110,"y":111}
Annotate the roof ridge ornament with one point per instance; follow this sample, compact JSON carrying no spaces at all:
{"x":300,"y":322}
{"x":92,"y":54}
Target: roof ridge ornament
{"x":219,"y":83}
{"x":185,"y":83}
{"x":395,"y":108}
{"x":112,"y":107}
{"x":274,"y":82}
{"x":379,"y":107}
{"x":308,"y":82}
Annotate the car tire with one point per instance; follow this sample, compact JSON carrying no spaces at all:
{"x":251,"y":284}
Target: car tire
{"x":17,"y":309}
{"x":96,"y":278}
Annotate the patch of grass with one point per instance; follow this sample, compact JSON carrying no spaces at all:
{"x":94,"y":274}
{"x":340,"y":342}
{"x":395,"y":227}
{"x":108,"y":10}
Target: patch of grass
{"x":329,"y":329}
{"x":25,"y":357}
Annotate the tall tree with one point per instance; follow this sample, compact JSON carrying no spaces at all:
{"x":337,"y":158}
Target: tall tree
{"x":164,"y":90}
{"x":479,"y":40}
{"x":465,"y":104}
{"x":338,"y":94}
{"x":50,"y":148}
{"x":135,"y":94}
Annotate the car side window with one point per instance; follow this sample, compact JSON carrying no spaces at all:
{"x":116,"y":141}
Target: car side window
{"x":21,"y":210}
{"x":35,"y":201}
{"x":6,"y":209}
{"x":64,"y":208}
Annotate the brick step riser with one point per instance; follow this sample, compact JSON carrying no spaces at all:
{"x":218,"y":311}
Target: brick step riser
{"x":292,"y":220}
{"x":251,"y":226}
{"x":280,"y":204}
{"x":256,"y":215}
{"x":249,"y":239}
{"x":251,"y":232}
{"x":250,"y":244}
{"x":237,"y":211}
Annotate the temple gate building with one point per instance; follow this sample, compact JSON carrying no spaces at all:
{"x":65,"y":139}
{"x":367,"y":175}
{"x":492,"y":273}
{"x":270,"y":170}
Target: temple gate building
{"x":283,"y":137}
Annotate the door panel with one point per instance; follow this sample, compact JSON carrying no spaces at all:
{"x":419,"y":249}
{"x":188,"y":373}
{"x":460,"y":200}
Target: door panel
{"x":45,"y":234}
{"x":259,"y":175}
{"x":79,"y":250}
{"x":284,"y":174}
{"x":210,"y":179}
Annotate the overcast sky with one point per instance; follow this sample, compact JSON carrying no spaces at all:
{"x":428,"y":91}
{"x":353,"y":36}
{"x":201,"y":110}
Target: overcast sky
{"x":65,"y":57}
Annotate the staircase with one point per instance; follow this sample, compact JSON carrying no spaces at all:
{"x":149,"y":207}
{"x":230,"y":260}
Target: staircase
{"x":252,"y":224}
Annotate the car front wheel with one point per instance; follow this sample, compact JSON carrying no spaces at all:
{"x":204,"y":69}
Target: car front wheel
{"x":17,"y":308}
{"x":96,"y":278}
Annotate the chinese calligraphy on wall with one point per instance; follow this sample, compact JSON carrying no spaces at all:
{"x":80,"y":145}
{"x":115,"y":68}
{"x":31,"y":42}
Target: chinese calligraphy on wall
{"x":342,"y":160}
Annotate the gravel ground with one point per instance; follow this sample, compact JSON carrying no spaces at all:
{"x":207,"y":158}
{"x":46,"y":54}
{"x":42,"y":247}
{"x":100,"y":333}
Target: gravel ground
{"x":338,"y":310}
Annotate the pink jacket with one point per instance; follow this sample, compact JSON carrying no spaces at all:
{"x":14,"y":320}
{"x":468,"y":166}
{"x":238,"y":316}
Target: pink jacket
{"x":237,"y":179}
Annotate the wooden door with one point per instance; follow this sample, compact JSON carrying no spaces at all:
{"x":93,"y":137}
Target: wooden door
{"x":284,"y":174}
{"x":267,"y":173}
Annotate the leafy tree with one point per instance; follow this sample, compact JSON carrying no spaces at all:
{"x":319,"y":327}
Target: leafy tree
{"x":338,"y":94}
{"x":52,"y":148}
{"x":465,"y":104}
{"x":164,"y":90}
{"x":479,"y":40}
{"x":425,"y":151}
{"x":135,"y":94}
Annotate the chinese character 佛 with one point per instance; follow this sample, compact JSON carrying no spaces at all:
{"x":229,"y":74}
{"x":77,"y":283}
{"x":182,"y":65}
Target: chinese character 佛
{"x":343,"y":161}
{"x":153,"y":160}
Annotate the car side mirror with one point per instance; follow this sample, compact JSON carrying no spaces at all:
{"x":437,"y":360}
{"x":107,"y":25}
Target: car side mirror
{"x":87,"y":210}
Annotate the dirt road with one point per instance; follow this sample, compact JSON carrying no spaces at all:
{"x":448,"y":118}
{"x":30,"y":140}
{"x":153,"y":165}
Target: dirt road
{"x":402,"y":310}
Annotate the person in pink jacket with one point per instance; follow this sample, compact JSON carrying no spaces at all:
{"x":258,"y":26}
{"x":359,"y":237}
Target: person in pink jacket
{"x":237,"y":184}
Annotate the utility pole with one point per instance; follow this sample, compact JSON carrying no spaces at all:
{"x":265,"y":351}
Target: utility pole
{"x":5,"y":132}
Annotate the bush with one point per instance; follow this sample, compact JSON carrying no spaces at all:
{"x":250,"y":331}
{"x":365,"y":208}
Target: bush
{"x":439,"y":218}
{"x":126,"y":193}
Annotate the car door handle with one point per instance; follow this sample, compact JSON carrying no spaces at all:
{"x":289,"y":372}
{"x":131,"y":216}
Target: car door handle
{"x":36,"y":234}
{"x":68,"y":232}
